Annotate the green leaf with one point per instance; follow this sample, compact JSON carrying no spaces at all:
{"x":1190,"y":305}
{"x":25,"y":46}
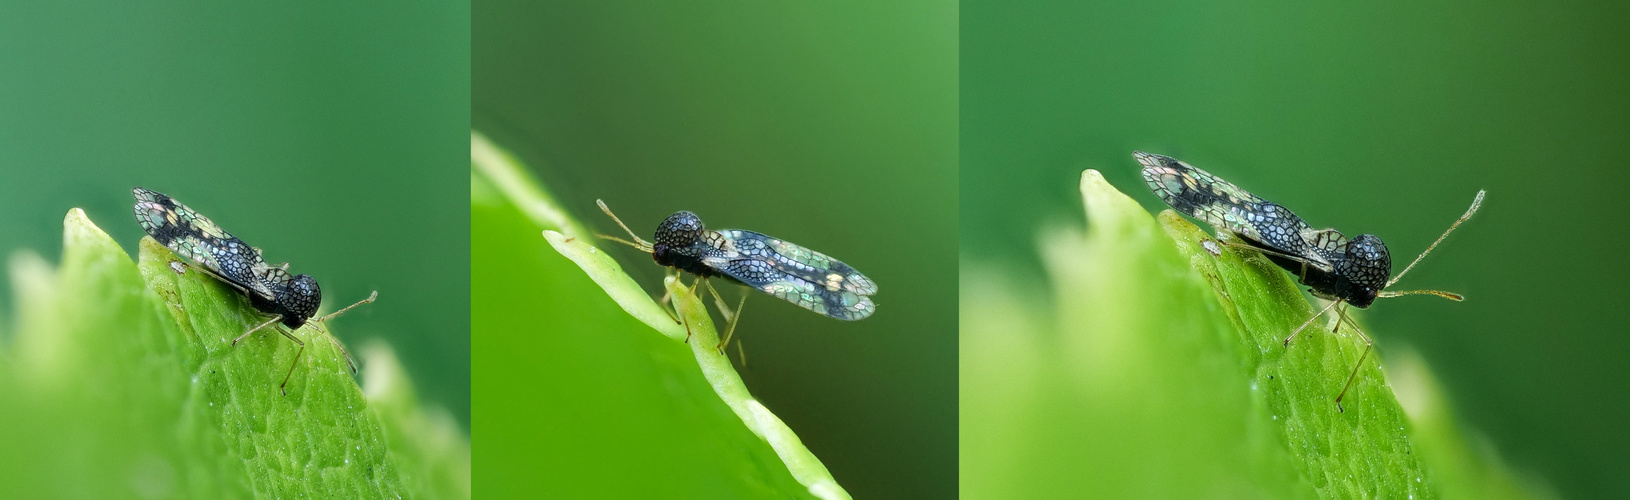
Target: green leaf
{"x":1158,"y":370}
{"x":557,"y":318}
{"x":121,"y":382}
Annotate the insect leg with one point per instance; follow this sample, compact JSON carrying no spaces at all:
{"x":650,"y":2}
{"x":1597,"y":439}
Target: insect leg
{"x":331,"y":339}
{"x":663,"y":300}
{"x":1367,"y":345}
{"x":667,"y":298}
{"x":668,"y":307}
{"x":342,"y":349}
{"x":275,"y":318}
{"x":347,"y":354}
{"x":693,"y":287}
{"x":731,"y":318}
{"x":730,"y":329}
{"x":718,"y":303}
{"x":1309,"y":322}
{"x":284,"y":386}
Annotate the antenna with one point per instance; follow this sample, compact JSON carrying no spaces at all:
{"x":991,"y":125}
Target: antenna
{"x":1476,"y":202}
{"x":369,"y":300}
{"x":1447,"y":295}
{"x":641,"y":244}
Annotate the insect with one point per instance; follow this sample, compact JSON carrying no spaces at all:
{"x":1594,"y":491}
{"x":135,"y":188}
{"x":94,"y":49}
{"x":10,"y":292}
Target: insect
{"x":796,"y":274}
{"x":1344,"y":271}
{"x":289,"y":299}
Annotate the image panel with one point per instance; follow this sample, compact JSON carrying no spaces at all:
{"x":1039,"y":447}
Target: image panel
{"x":188,"y":192}
{"x":1183,"y":224}
{"x":814,"y":149}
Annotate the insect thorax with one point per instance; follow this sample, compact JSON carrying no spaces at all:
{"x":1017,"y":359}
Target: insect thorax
{"x":1358,"y":274}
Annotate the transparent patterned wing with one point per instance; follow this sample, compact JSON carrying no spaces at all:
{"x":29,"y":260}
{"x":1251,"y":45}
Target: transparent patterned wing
{"x":1326,"y":240}
{"x":195,"y":237}
{"x":1199,"y":194}
{"x":274,"y":277}
{"x":796,"y":274}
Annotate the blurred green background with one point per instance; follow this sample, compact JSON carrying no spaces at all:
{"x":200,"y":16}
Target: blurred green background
{"x":830,"y":125}
{"x":1382,"y":118}
{"x":330,"y":135}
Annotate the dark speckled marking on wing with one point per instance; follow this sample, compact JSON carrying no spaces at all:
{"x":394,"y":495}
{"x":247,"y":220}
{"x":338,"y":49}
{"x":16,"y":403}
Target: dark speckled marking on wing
{"x":1225,"y":206}
{"x":195,"y":237}
{"x":796,"y":274}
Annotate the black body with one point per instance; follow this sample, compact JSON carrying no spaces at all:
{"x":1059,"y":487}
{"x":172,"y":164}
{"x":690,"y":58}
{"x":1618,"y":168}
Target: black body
{"x":1327,"y":262}
{"x":1358,"y":277}
{"x":271,"y":290}
{"x":804,"y":277}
